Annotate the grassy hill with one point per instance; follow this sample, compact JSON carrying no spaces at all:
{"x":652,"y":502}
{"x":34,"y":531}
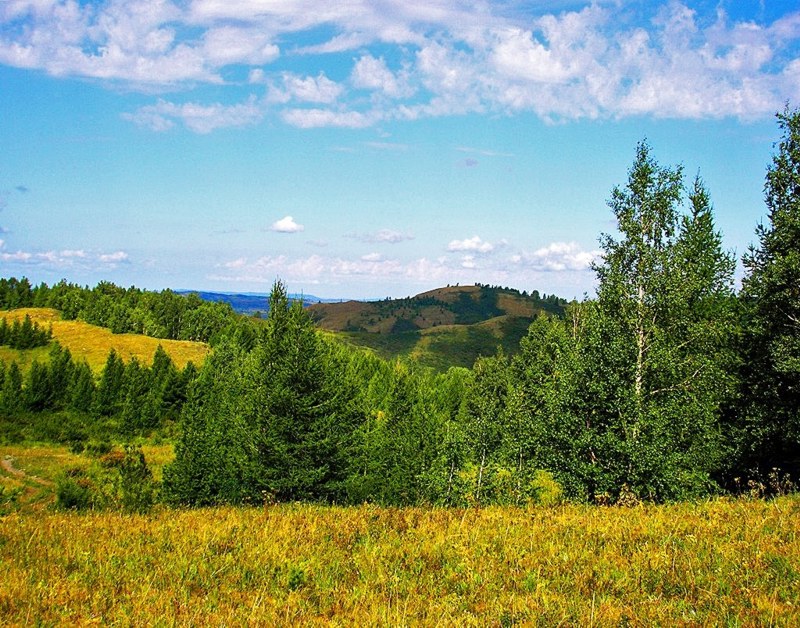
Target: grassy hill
{"x":445,"y":327}
{"x":93,"y":343}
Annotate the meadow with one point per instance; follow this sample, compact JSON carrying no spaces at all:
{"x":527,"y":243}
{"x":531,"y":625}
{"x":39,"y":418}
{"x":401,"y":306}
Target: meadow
{"x":93,"y":343}
{"x":716,"y":562}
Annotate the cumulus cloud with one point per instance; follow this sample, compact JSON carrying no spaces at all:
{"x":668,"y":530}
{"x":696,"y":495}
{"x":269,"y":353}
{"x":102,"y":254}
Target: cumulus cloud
{"x":286,"y":225}
{"x":471,"y":244}
{"x":310,"y":89}
{"x":374,"y":74}
{"x":558,"y":256}
{"x":415,"y":60}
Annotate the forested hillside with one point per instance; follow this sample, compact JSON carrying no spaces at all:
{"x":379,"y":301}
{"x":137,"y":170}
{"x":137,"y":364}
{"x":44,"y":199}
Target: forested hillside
{"x":667,"y":385}
{"x":446,"y":327}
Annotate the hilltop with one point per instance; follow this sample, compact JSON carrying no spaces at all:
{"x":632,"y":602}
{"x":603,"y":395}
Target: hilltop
{"x":448,"y":326}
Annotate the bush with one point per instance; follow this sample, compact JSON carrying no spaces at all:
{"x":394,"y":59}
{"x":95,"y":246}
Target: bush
{"x":74,"y":491}
{"x":135,"y":485}
{"x":95,"y":449}
{"x":546,"y":489}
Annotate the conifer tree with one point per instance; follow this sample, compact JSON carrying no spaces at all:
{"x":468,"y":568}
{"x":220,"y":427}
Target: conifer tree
{"x":108,"y":398}
{"x":82,"y":388}
{"x":11,"y":400}
{"x":769,"y":421}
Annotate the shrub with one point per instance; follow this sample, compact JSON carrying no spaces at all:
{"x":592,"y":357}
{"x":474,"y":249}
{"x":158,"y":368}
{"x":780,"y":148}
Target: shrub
{"x":135,"y":485}
{"x":546,"y":489}
{"x":74,"y":491}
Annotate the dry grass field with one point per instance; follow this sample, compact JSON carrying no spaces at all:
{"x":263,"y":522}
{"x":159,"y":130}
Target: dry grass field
{"x":720,"y":562}
{"x":93,"y":343}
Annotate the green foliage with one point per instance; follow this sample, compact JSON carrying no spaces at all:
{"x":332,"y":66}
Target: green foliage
{"x":135,"y":487}
{"x":24,"y":335}
{"x":766,"y":425}
{"x":272,"y":422}
{"x":74,"y":491}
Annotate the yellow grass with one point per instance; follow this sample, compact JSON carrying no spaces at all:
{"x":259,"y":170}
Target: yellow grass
{"x":94,"y":343}
{"x":717,"y":563}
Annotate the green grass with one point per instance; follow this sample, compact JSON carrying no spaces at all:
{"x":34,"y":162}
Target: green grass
{"x":447,"y":345}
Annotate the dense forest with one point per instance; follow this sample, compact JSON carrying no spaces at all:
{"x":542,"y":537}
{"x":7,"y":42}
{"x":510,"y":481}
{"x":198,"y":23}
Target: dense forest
{"x":669,"y":384}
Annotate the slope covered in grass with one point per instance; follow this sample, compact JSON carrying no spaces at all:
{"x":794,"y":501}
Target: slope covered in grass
{"x":93,"y":343}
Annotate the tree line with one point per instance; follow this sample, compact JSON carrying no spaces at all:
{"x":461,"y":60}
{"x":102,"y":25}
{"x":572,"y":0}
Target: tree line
{"x":669,"y":384}
{"x":24,"y":335}
{"x":162,"y":314}
{"x":61,"y":399}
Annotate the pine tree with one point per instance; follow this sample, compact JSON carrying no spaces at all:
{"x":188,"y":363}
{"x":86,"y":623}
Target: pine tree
{"x":82,"y":388}
{"x":11,"y":400}
{"x":108,"y":398}
{"x":769,"y":425}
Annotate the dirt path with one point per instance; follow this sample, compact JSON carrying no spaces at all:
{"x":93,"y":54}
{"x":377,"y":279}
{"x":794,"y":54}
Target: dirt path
{"x":8,"y":465}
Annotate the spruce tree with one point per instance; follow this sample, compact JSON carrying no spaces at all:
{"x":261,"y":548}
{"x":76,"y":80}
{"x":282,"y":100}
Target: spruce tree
{"x":769,"y":419}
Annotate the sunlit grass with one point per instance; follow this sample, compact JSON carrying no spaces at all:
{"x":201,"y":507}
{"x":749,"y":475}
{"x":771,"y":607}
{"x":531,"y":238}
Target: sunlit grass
{"x":721,"y":562}
{"x":93,"y":343}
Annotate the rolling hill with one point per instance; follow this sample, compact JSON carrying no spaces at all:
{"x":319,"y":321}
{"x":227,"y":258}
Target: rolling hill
{"x":444,"y":327}
{"x":93,"y":343}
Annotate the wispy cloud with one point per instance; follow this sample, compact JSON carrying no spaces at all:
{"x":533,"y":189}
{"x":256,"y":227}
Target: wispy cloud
{"x":196,"y":117}
{"x":385,"y":236}
{"x":286,"y":224}
{"x":64,"y":259}
{"x":404,"y":61}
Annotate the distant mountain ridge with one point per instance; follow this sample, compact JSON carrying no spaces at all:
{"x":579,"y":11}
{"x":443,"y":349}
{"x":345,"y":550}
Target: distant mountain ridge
{"x":440,"y":328}
{"x":251,"y":302}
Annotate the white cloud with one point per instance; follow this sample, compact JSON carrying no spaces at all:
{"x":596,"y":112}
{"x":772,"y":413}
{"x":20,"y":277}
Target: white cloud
{"x":67,"y":258}
{"x":196,"y":117}
{"x":113,"y":258}
{"x":372,"y":257}
{"x":19,"y":256}
{"x":312,"y":89}
{"x":373,"y":74}
{"x":607,"y":59}
{"x":316,"y":118}
{"x":78,"y":254}
{"x":384,"y":236}
{"x":286,"y":225}
{"x":226,"y":45}
{"x":471,"y":244}
{"x":558,"y":256}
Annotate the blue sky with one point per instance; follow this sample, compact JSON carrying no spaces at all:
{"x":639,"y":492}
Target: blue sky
{"x":369,"y":148}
